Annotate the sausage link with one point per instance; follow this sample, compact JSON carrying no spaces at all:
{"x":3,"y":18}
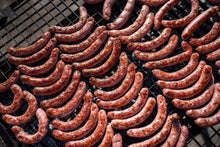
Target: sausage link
{"x":207,"y":48}
{"x":214,"y":2}
{"x":117,"y":140}
{"x":107,"y":6}
{"x":81,"y":132}
{"x":27,"y":116}
{"x":153,"y":3}
{"x":70,"y":106}
{"x":184,"y":133}
{"x":10,"y":81}
{"x":217,"y":63}
{"x":56,"y":87}
{"x":155,"y":124}
{"x":107,"y":140}
{"x":214,"y":56}
{"x":95,"y":136}
{"x":93,"y":1}
{"x":41,"y":69}
{"x":25,"y":51}
{"x":39,"y":135}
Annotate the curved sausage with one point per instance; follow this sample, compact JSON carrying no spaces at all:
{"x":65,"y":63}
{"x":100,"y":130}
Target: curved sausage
{"x":17,"y":102}
{"x":214,"y":56}
{"x":100,"y":70}
{"x":155,"y":43}
{"x":178,"y":23}
{"x":207,"y":48}
{"x":117,"y":140}
{"x":214,"y":2}
{"x":172,"y":60}
{"x":141,"y":32}
{"x":25,"y":51}
{"x":92,"y":49}
{"x":184,"y":133}
{"x":95,"y":136}
{"x":153,"y":3}
{"x":200,"y":19}
{"x":79,"y":118}
{"x":208,"y":37}
{"x":52,"y":78}
{"x":134,"y":109}
{"x":192,"y":78}
{"x":39,"y":135}
{"x":115,"y":78}
{"x":84,"y":44}
{"x":73,"y":28}
{"x":78,"y":35}
{"x":123,"y":17}
{"x":71,"y":105}
{"x":134,"y":26}
{"x":195,"y":89}
{"x":107,"y":6}
{"x":11,"y":80}
{"x":217,"y":63}
{"x":56,"y":87}
{"x":27,"y":116}
{"x":124,"y":100}
{"x":94,"y":60}
{"x":118,"y":92}
{"x":161,"y":136}
{"x":81,"y":132}
{"x":155,"y":124}
{"x":93,"y":1}
{"x":38,"y":56}
{"x":64,"y":95}
{"x":209,"y":108}
{"x":107,"y":139}
{"x":41,"y":69}
{"x":164,"y":52}
{"x":179,"y":74}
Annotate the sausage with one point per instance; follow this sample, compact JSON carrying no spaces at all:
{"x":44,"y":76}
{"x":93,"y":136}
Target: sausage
{"x":141,"y":32}
{"x":200,"y":19}
{"x":134,"y":26}
{"x":39,"y":135}
{"x":94,"y":60}
{"x":192,"y":78}
{"x":124,"y":100}
{"x":95,"y":136}
{"x":81,"y":132}
{"x":107,"y":140}
{"x":195,"y":89}
{"x":25,"y":51}
{"x":84,"y":44}
{"x":93,"y":1}
{"x":87,"y":52}
{"x":14,"y":77}
{"x":197,"y":101}
{"x":209,"y":108}
{"x":41,"y":69}
{"x":217,"y":63}
{"x":160,"y":136}
{"x":17,"y":102}
{"x":208,"y":121}
{"x":122,"y":89}
{"x":38,"y":56}
{"x":56,"y":87}
{"x":71,"y":105}
{"x":155,"y":124}
{"x":153,"y":3}
{"x":27,"y":116}
{"x":117,"y":140}
{"x":164,"y":52}
{"x":136,"y":119}
{"x":214,"y":56}
{"x":155,"y":43}
{"x":178,"y":23}
{"x":214,"y":2}
{"x":208,"y":37}
{"x":172,"y":60}
{"x":79,"y":118}
{"x":115,"y":78}
{"x":100,"y":70}
{"x":207,"y":48}
{"x":184,"y":133}
{"x":132,"y":110}
{"x":64,"y":95}
{"x":78,"y":35}
{"x":52,"y":78}
{"x":179,"y":74}
{"x":123,"y":17}
{"x":73,"y":28}
{"x":107,"y":6}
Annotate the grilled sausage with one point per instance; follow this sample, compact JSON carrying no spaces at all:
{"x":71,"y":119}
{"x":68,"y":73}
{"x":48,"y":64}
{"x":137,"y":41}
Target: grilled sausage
{"x":93,"y":1}
{"x":217,"y":63}
{"x":107,"y":6}
{"x":184,"y":133}
{"x":214,"y":2}
{"x":214,"y":56}
{"x":153,"y":3}
{"x":117,"y":140}
{"x":207,"y":48}
{"x":107,"y":140}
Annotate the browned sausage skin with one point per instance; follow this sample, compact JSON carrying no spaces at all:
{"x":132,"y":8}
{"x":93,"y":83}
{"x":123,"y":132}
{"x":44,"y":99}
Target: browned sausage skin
{"x":39,"y":135}
{"x":117,"y":140}
{"x":213,"y":56}
{"x":184,"y":133}
{"x":107,"y":140}
{"x":217,"y":63}
{"x":107,"y":6}
{"x":93,"y":1}
{"x":207,"y":48}
{"x":214,"y":2}
{"x":153,"y":3}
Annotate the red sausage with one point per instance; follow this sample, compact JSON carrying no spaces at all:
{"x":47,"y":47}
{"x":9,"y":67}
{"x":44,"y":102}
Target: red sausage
{"x":107,"y":6}
{"x":214,"y":56}
{"x":217,"y":63}
{"x":153,"y":3}
{"x":107,"y":140}
{"x":214,"y":2}
{"x":93,"y":1}
{"x":117,"y":140}
{"x":207,"y":48}
{"x":183,"y":137}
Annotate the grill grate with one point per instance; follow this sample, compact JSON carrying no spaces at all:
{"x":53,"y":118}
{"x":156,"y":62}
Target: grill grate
{"x":34,"y":17}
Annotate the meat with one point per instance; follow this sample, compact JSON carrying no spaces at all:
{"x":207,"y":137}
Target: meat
{"x":184,"y":133}
{"x":117,"y":140}
{"x":153,"y":3}
{"x":107,"y":6}
{"x":107,"y":140}
{"x":207,"y":48}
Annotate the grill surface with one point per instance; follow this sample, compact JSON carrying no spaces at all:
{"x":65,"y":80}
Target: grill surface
{"x":34,"y":17}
